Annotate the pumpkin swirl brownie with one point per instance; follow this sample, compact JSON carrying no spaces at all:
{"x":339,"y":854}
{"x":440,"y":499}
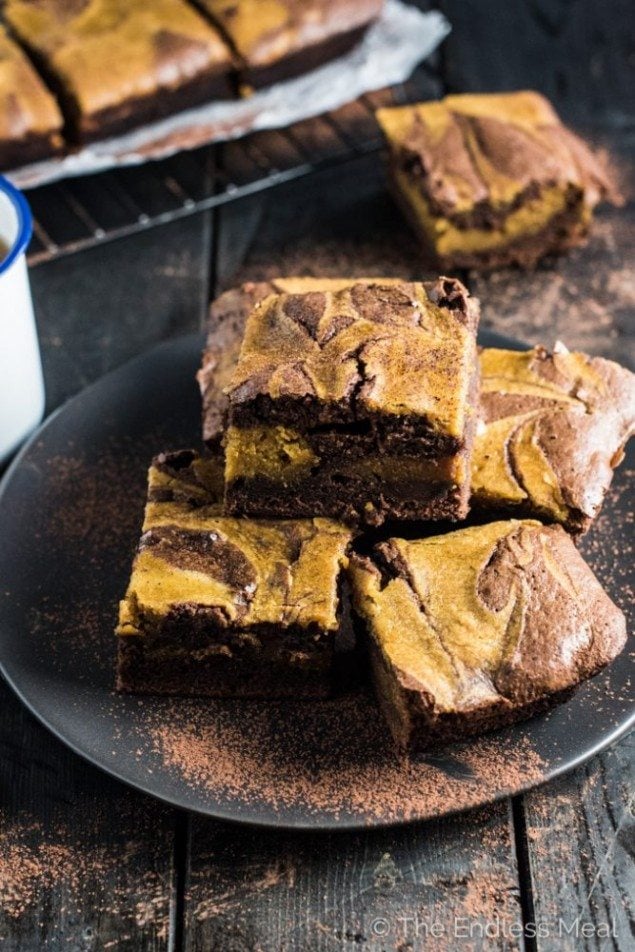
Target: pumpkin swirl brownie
{"x":493,"y":179}
{"x":355,"y":404}
{"x":481,"y":627}
{"x":277,"y":39}
{"x":553,"y":428}
{"x":228,"y":607}
{"x":226,"y":327}
{"x":116,"y":64}
{"x":30,"y":121}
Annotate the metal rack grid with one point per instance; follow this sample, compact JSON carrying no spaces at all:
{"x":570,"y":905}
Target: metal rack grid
{"x":80,"y":213}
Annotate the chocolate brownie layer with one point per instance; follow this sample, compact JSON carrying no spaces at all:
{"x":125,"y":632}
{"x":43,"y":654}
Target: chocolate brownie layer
{"x":357,"y":494}
{"x":333,"y":390}
{"x":303,"y":61}
{"x":488,"y":180}
{"x":30,"y":121}
{"x":553,"y":428}
{"x":481,"y":627}
{"x":229,"y":607}
{"x":276,"y":39}
{"x":115,"y":64}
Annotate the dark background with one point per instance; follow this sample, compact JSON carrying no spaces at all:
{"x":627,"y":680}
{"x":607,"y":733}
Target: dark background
{"x":103,"y":867}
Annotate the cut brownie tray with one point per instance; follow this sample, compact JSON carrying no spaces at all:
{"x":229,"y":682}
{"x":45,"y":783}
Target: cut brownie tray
{"x":387,"y":55}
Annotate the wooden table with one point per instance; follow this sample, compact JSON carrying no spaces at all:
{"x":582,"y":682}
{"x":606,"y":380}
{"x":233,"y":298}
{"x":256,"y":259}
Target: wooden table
{"x":86,"y":863}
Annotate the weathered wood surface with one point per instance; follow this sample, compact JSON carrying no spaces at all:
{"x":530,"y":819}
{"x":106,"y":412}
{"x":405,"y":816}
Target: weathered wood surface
{"x":392,"y":889}
{"x":85,"y":864}
{"x":577,"y":53}
{"x":101,"y":867}
{"x":580,"y":833}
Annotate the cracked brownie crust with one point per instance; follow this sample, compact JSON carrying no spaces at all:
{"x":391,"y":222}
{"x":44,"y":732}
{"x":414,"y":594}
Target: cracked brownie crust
{"x":227,"y":607}
{"x":227,"y":319}
{"x":479,"y":628}
{"x":553,"y":428}
{"x":492,"y":180}
{"x":337,"y":392}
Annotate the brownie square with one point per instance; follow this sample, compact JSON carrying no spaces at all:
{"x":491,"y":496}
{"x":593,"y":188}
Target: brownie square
{"x":228,"y":607}
{"x":116,"y":64}
{"x":284,"y":38}
{"x":30,"y":121}
{"x":492,"y":180}
{"x":355,"y":404}
{"x":553,"y":428}
{"x":226,"y":327}
{"x":479,"y":628}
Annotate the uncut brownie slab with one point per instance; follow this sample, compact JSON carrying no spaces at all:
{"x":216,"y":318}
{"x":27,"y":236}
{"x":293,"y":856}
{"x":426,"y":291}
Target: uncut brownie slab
{"x":228,"y":607}
{"x":277,"y":39}
{"x":355,"y":404}
{"x":481,"y":627}
{"x":30,"y":121}
{"x":553,"y":428}
{"x":492,"y":180}
{"x":116,"y":64}
{"x":227,"y":319}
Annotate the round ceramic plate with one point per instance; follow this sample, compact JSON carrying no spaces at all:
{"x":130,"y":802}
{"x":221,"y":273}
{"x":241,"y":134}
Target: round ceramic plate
{"x":70,"y":511}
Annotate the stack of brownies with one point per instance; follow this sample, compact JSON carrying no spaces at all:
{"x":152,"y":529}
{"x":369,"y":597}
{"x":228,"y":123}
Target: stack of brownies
{"x":343,"y":419}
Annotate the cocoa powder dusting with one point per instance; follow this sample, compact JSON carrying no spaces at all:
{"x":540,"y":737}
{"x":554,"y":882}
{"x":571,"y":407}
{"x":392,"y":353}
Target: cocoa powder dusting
{"x":34,"y":861}
{"x":332,"y":758}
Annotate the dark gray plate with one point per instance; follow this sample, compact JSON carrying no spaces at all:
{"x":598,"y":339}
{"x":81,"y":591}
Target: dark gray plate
{"x":70,"y":510}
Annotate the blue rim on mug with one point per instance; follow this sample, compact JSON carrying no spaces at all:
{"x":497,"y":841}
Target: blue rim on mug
{"x":25,"y":223}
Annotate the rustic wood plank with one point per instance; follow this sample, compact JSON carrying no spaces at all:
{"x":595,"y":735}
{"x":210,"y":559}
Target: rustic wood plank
{"x":85,"y":863}
{"x":440,"y":884}
{"x":577,"y":54}
{"x":338,"y":222}
{"x":581,"y":844}
{"x":98,"y":309}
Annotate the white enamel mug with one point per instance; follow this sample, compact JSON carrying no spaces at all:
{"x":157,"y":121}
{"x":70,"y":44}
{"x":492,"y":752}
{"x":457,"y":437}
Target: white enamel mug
{"x":21,"y":382}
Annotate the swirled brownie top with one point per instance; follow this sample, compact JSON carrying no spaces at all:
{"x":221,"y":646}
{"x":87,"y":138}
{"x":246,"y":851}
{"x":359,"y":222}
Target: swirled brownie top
{"x":503,"y":613}
{"x":402,"y":350}
{"x":476,"y":153}
{"x":27,"y":108}
{"x":245,"y":572}
{"x":265,"y":31}
{"x":553,"y":427}
{"x":227,"y":318}
{"x":107,"y":52}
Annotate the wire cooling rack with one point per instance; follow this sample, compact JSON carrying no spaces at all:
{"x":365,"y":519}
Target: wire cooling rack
{"x":79,"y":213}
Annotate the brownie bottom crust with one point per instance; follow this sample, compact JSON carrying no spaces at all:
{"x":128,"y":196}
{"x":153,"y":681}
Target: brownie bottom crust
{"x":141,"y":110}
{"x":269,"y":663}
{"x":32,"y":148}
{"x":564,"y":230}
{"x":302,"y":61}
